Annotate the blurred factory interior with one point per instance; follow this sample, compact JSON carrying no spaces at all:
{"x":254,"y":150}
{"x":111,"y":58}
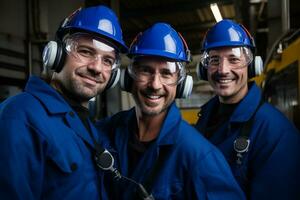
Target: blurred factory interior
{"x":26,"y":26}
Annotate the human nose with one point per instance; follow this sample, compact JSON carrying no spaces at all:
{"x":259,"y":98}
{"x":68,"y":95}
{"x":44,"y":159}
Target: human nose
{"x":223,"y":67}
{"x":96,"y":65}
{"x":155,"y":81}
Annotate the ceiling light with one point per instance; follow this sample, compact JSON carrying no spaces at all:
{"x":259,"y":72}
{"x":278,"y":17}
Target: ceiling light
{"x":216,"y":12}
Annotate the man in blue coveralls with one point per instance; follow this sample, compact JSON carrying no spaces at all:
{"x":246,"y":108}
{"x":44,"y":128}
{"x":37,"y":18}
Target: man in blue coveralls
{"x":154,"y":146}
{"x":46,"y":138}
{"x":260,"y":144}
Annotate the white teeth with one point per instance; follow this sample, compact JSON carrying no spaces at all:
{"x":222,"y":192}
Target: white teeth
{"x":153,"y":97}
{"x":225,"y":81}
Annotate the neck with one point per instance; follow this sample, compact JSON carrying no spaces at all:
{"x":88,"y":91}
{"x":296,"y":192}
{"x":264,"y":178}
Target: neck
{"x":149,"y":125}
{"x":58,"y":87}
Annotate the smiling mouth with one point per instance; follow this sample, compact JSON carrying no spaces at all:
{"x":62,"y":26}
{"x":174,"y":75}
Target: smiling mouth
{"x":154,"y":97}
{"x":224,"y":81}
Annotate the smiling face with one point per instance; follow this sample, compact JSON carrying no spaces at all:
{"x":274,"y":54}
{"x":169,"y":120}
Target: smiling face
{"x":151,"y":92}
{"x":228,"y":73}
{"x":84,"y":78}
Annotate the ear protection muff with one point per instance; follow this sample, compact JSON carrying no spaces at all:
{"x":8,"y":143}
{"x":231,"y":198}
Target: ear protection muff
{"x":201,"y":72}
{"x":125,"y":80}
{"x":114,"y":79}
{"x":256,"y":66}
{"x":54,"y":56}
{"x":184,"y":89}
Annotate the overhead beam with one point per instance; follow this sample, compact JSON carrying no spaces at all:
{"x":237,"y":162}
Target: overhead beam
{"x":166,"y":10}
{"x":193,"y":27}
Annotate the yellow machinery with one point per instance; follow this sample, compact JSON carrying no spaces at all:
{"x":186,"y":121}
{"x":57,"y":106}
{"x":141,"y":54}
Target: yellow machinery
{"x":280,"y":81}
{"x":190,"y":114}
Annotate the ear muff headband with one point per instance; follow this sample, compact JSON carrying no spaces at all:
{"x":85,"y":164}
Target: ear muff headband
{"x":187,"y":51}
{"x":256,"y":66}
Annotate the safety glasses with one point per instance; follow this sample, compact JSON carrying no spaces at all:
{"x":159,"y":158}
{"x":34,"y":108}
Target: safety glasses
{"x":88,"y":49}
{"x":145,"y":70}
{"x":234,"y":58}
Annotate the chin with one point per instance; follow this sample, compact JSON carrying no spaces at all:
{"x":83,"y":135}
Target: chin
{"x":151,"y":111}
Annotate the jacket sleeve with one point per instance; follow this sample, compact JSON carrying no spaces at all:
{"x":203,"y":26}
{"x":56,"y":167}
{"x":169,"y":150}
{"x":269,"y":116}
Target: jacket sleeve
{"x":214,"y":178}
{"x":276,"y":171}
{"x":21,"y":157}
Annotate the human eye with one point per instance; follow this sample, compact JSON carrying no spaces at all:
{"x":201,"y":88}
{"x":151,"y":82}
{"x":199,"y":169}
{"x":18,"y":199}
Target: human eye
{"x":145,"y":70}
{"x":234,"y":60}
{"x":85,"y":52}
{"x":214,"y":60}
{"x":166,"y":73}
{"x":108,"y":61}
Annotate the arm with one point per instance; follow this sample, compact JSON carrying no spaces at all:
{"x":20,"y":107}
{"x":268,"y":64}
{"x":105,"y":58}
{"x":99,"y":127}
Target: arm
{"x":276,"y":164}
{"x":21,"y":161}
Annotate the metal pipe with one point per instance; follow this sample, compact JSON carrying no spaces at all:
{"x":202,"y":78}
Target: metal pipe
{"x":285,"y":15}
{"x":28,"y":37}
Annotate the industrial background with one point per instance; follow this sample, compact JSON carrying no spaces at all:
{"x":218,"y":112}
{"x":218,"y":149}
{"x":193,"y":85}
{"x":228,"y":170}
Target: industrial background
{"x":26,"y":26}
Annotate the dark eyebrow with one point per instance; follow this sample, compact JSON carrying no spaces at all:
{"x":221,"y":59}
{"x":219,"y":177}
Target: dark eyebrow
{"x":109,"y":56}
{"x":95,"y":51}
{"x":87,"y":46}
{"x":232,"y":55}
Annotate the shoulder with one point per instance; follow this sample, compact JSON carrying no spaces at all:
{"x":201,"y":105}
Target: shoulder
{"x":19,"y":106}
{"x":271,"y":128}
{"x":270,"y":118}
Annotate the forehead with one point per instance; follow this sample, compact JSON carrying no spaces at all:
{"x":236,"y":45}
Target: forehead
{"x":152,"y":61}
{"x":227,"y":51}
{"x":92,"y":41}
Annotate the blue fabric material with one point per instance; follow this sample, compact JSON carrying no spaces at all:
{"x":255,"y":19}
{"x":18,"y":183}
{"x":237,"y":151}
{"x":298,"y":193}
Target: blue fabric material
{"x":270,"y":169}
{"x":193,"y":169}
{"x":45,"y":150}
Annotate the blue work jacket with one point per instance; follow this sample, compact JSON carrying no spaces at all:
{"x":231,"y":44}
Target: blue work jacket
{"x":192,"y":167}
{"x":45,"y":150}
{"x":270,"y":168}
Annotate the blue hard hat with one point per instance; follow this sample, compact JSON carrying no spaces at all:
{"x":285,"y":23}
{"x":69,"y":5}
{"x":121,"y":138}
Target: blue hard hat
{"x":160,"y":40}
{"x":99,"y":20}
{"x":227,"y":33}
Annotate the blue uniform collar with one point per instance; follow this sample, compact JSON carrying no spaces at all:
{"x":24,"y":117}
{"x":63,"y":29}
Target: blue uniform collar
{"x":169,"y":132}
{"x":48,"y":96}
{"x":248,"y":105}
{"x":244,"y":109}
{"x":55,"y":104}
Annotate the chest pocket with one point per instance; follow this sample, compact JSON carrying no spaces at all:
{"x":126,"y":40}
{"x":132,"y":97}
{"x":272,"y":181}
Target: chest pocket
{"x":67,"y":152}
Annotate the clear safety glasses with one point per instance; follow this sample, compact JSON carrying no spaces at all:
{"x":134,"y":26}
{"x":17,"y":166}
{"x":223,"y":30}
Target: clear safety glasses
{"x":145,"y":70}
{"x":88,"y":49}
{"x":235,"y":58}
